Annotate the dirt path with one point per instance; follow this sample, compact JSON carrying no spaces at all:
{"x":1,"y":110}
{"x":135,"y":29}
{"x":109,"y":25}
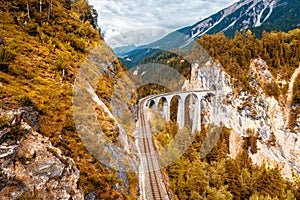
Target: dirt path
{"x":290,"y":92}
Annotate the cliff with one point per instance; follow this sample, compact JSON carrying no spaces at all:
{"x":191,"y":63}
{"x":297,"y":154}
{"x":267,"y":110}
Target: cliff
{"x":30,"y":165}
{"x":260,"y":114}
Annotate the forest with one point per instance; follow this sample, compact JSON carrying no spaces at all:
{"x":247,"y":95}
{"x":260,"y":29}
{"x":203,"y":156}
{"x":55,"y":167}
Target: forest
{"x":216,"y":176}
{"x":42,"y":46}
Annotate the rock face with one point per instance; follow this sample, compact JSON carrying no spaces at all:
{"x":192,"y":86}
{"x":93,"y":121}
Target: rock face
{"x":259,"y":114}
{"x":29,"y":164}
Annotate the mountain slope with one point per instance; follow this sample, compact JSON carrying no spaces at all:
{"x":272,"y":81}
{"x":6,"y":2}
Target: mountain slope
{"x":281,"y":15}
{"x":41,"y":50}
{"x":260,"y":138}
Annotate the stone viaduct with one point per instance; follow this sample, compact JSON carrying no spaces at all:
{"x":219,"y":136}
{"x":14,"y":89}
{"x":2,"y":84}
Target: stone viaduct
{"x":166,"y":98}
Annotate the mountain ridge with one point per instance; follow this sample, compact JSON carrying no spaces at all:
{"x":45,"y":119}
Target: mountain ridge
{"x":246,"y":14}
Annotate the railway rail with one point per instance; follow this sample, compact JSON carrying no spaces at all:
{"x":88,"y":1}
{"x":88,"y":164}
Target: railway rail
{"x":154,"y":184}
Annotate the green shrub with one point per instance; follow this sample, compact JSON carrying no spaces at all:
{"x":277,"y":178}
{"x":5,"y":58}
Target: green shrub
{"x":25,"y":101}
{"x":4,"y":80}
{"x":60,"y":63}
{"x":26,"y":197}
{"x":78,"y":44}
{"x":7,"y":55}
{"x":3,"y":121}
{"x":4,"y":67}
{"x":15,"y":133}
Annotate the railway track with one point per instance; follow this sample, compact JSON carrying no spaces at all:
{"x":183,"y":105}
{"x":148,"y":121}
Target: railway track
{"x":151,"y":178}
{"x":153,"y":183}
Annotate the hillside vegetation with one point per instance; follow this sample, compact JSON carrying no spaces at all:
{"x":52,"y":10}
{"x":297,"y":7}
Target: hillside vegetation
{"x":217,"y":176}
{"x":42,"y":44}
{"x":280,"y":50}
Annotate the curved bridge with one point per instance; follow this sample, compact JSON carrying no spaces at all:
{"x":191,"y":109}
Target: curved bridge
{"x":151,"y":179}
{"x":166,"y":98}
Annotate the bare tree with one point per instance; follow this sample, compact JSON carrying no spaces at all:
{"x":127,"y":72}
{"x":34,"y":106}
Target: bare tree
{"x":41,"y":6}
{"x":50,"y":9}
{"x":2,"y":5}
{"x":28,"y":12}
{"x":2,"y":41}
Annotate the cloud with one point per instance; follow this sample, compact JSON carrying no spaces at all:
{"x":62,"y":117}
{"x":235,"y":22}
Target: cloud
{"x":134,"y":37}
{"x":120,"y":16}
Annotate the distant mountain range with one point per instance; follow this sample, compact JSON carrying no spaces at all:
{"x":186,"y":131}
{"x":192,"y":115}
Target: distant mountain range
{"x":120,"y":50}
{"x":256,"y":15}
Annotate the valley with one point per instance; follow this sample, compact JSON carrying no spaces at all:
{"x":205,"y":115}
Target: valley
{"x":210,"y":111}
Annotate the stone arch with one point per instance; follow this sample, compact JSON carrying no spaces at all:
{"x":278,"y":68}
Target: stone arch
{"x":175,"y":101}
{"x":152,"y":104}
{"x":164,"y":107}
{"x":189,"y":105}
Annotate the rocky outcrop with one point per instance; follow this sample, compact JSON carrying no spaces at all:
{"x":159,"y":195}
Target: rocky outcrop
{"x":29,"y":164}
{"x":259,"y":114}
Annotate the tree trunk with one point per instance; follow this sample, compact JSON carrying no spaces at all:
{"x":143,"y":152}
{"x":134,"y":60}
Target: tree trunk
{"x":50,"y":9}
{"x":2,"y":3}
{"x":28,"y":12}
{"x":41,"y":6}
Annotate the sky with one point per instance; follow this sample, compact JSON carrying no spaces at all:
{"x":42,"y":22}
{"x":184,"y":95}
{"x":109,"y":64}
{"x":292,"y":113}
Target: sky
{"x":142,"y":21}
